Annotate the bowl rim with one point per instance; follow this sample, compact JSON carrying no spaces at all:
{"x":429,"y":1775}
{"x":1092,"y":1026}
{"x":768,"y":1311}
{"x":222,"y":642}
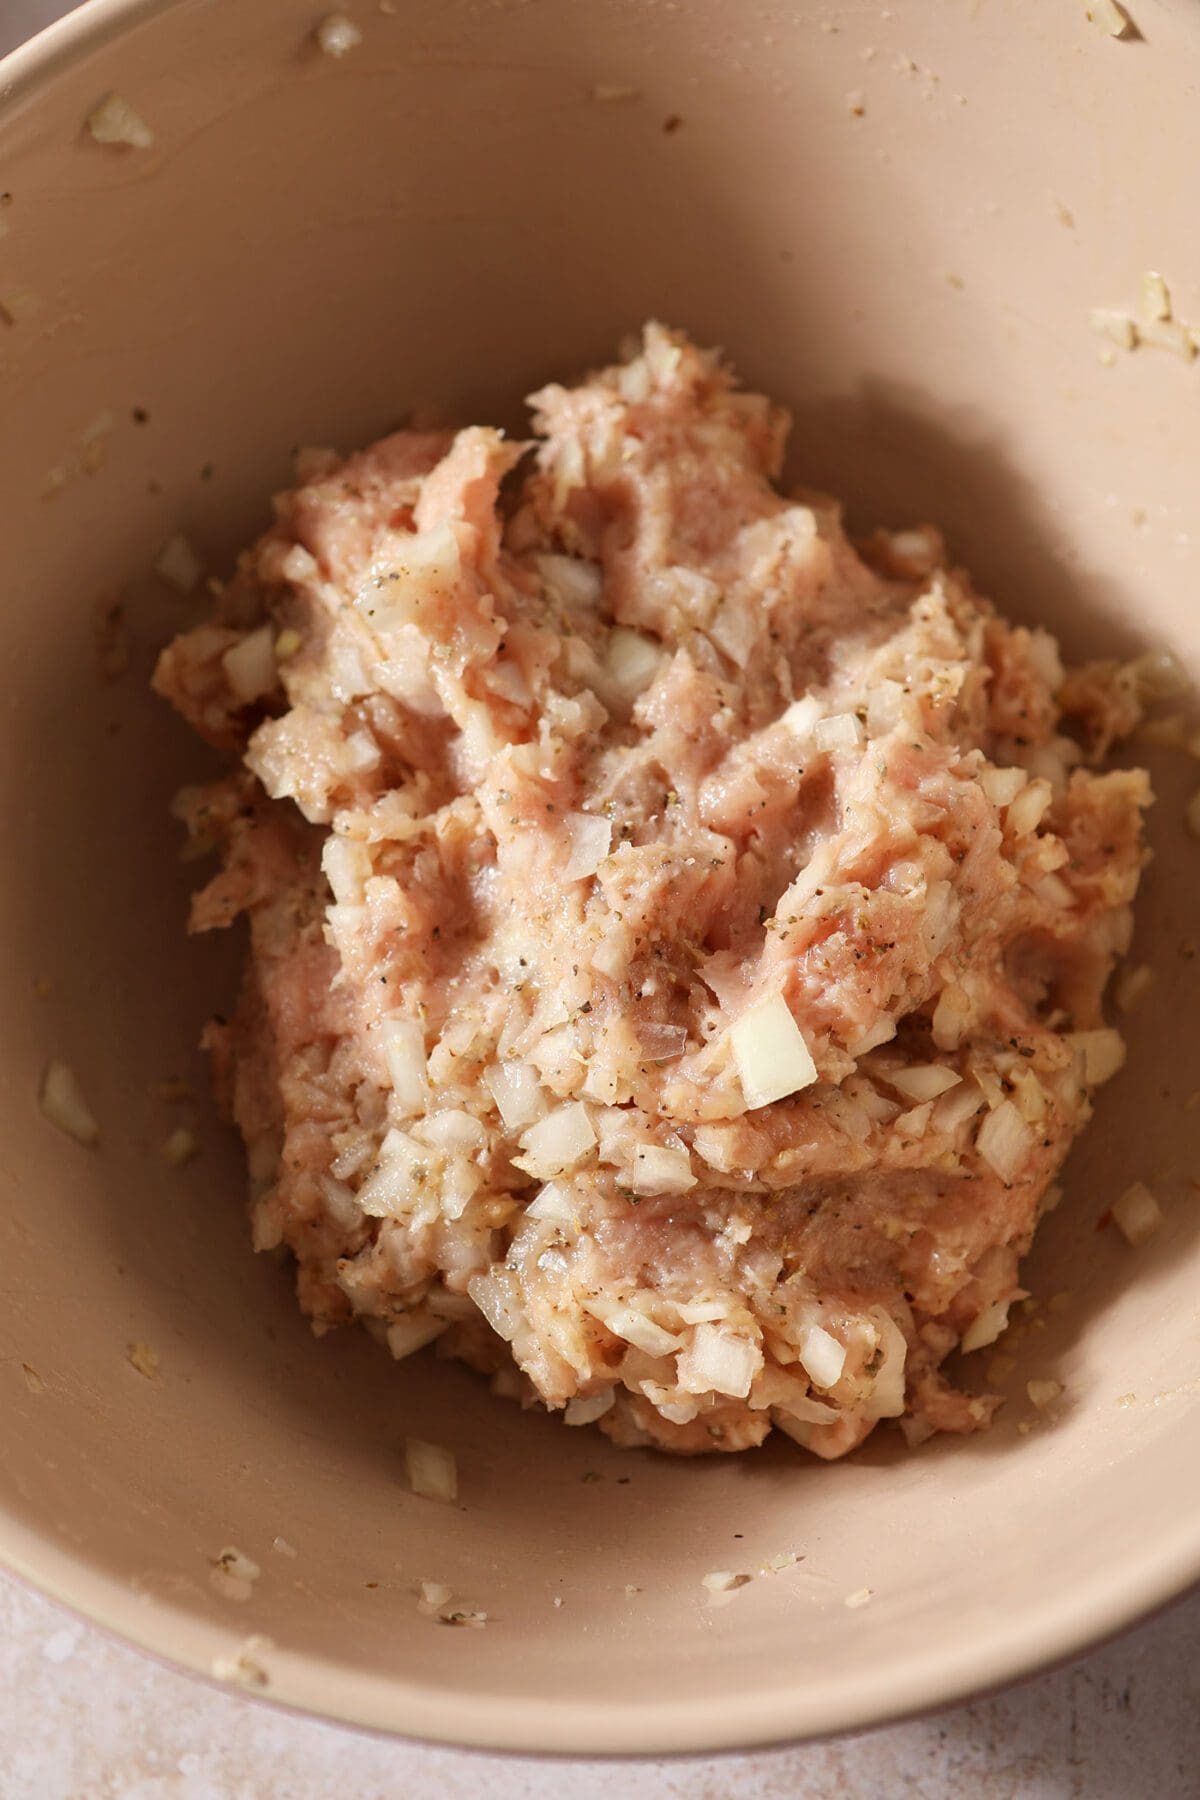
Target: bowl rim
{"x":930,"y":1678}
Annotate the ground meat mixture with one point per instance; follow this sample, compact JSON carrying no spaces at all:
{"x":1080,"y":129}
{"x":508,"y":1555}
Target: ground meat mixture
{"x":677,"y":934}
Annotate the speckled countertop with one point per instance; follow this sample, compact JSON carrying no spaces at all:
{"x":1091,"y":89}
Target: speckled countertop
{"x":84,"y":1718}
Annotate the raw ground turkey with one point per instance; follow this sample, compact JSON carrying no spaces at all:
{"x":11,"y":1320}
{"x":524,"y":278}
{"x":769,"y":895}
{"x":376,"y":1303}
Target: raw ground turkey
{"x":677,"y":934}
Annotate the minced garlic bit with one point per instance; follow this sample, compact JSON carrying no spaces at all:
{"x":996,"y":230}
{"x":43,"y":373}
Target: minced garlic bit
{"x":143,"y":1359}
{"x":180,"y":1147}
{"x":178,"y":564}
{"x":1137,"y":1214}
{"x":1043,"y":1393}
{"x":1108,"y":17}
{"x":287,"y":644}
{"x":245,"y":1666}
{"x":858,"y":1598}
{"x":63,"y":1104}
{"x":115,"y":122}
{"x":337,"y":35}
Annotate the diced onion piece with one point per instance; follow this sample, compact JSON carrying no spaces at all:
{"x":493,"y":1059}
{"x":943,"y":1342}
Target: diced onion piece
{"x":632,"y":660}
{"x":1045,"y":659}
{"x":1155,"y":298}
{"x":924,"y":1081}
{"x":287,"y":644}
{"x":412,"y":1331}
{"x":178,"y":564}
{"x":951,"y":1016}
{"x":63,"y":1104}
{"x":180,"y":1146}
{"x":887,"y":706}
{"x":822,"y":1357}
{"x":1103,"y":1053}
{"x":453,"y":1129}
{"x":346,"y":865}
{"x":1137,"y":1214}
{"x":1029,"y":1095}
{"x":771,"y":1055}
{"x":1170,"y":335}
{"x":802,"y":716}
{"x":236,"y":1563}
{"x":557,"y":1142}
{"x":912,"y":1124}
{"x":404,"y":1054}
{"x":495,"y":1296}
{"x":661,"y":1043}
{"x":841,"y":731}
{"x":723,"y":1581}
{"x":1160,"y":675}
{"x":658,"y":1169}
{"x":886,"y":1399}
{"x":553,"y":1205}
{"x":957,"y":1106}
{"x":517,"y":1091}
{"x":986,"y":1326}
{"x":702,"y":1312}
{"x":1053,"y":891}
{"x":115,"y":122}
{"x":1002,"y":785}
{"x":1043,"y":1393}
{"x":1117,"y":327}
{"x":250,"y":666}
{"x":914,"y":546}
{"x":1026,"y":812}
{"x":590,"y":839}
{"x":337,"y":35}
{"x":244,"y":1667}
{"x":1132,"y":985}
{"x":435,"y":1594}
{"x":718,"y":1361}
{"x":586,"y":1409}
{"x":144,"y":1359}
{"x":432,"y":1470}
{"x":634,"y":1327}
{"x":388,"y":1191}
{"x":1004,"y":1141}
{"x":572,"y":580}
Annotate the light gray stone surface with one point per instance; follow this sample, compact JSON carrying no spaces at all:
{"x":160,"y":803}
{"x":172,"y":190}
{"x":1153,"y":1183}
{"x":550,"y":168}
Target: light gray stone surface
{"x":84,"y":1718}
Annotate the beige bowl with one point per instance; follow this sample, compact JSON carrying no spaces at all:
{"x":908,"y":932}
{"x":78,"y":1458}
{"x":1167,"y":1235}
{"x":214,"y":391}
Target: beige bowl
{"x":897,"y":220}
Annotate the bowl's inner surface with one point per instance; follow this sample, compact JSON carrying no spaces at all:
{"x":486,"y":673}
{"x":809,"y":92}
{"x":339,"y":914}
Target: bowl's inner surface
{"x":312,"y":251}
